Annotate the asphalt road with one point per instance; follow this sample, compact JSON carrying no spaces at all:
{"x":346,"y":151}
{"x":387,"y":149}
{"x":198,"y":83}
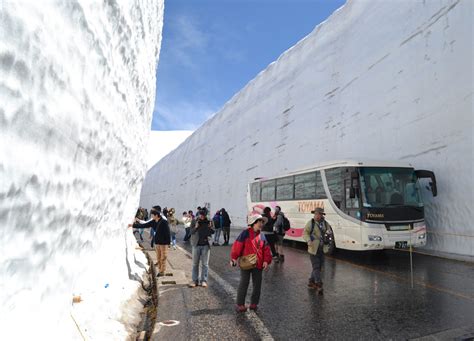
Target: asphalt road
{"x":367,"y":296}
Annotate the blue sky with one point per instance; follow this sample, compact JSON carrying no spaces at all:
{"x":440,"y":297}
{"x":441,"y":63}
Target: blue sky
{"x":212,"y":48}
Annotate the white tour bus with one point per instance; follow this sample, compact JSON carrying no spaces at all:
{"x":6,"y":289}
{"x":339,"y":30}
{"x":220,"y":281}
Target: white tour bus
{"x":370,"y":205}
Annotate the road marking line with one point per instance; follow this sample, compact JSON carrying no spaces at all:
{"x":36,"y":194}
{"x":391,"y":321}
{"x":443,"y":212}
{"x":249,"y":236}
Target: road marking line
{"x":255,"y":321}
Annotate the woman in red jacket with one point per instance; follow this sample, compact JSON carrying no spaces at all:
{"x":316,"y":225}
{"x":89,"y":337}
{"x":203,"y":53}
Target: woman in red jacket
{"x":249,"y":242}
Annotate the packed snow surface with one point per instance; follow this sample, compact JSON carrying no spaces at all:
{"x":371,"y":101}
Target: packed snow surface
{"x":383,"y":80}
{"x":77,"y":89}
{"x":163,"y":142}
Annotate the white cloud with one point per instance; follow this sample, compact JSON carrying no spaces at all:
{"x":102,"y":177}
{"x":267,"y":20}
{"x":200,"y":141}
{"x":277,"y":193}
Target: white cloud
{"x":163,"y":142}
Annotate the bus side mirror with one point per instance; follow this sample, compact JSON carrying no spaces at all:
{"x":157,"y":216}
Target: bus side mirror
{"x":423,"y":174}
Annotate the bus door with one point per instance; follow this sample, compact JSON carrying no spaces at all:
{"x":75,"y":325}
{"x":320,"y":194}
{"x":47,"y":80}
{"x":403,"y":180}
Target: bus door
{"x":351,"y":203}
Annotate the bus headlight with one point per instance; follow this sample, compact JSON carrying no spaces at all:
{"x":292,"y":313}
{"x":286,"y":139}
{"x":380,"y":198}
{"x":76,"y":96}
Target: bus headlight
{"x":422,"y":236}
{"x":375,"y":239}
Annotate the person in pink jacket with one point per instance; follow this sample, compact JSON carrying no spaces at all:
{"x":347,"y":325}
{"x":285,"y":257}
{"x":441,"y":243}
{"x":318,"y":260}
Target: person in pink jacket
{"x":251,"y":241}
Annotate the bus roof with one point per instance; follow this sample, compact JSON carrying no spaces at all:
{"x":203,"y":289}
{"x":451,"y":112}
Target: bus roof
{"x":343,"y":163}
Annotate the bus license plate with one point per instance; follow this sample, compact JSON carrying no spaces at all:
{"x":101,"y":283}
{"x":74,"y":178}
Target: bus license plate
{"x":401,"y":245}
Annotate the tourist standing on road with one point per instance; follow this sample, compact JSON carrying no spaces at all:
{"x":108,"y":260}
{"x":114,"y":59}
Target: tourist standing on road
{"x":267,"y":230}
{"x":218,"y":228}
{"x":161,"y":237}
{"x":173,"y":222}
{"x":253,"y":253}
{"x":225,"y":226}
{"x":314,"y":234}
{"x":200,"y":233}
{"x":187,"y":225}
{"x":153,"y":231}
{"x":278,"y":227}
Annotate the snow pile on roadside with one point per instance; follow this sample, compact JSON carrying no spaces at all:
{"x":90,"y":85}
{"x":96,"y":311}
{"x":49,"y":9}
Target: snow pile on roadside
{"x":110,"y":311}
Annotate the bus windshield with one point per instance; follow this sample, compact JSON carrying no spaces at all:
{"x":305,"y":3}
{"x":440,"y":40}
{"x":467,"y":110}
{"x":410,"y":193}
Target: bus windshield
{"x":386,"y":187}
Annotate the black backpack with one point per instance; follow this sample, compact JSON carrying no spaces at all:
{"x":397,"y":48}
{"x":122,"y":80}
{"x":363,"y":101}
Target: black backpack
{"x":286,"y":224}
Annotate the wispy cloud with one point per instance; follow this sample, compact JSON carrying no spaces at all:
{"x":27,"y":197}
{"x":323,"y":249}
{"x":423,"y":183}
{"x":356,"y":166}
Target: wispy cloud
{"x":183,"y":115}
{"x":187,"y":40}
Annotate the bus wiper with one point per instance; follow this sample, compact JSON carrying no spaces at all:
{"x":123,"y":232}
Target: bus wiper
{"x":419,"y":209}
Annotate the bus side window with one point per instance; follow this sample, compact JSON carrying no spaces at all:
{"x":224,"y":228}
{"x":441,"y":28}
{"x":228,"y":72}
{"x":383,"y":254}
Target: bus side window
{"x":335,"y":185}
{"x":268,"y":190}
{"x":255,"y":192}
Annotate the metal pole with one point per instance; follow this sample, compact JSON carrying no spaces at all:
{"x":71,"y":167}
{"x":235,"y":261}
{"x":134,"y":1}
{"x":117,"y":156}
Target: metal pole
{"x":411,"y":262}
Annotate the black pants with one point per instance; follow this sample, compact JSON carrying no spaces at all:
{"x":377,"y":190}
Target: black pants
{"x":244,"y":284}
{"x":226,"y":232}
{"x":187,"y":234}
{"x":271,"y":239}
{"x":317,"y":262}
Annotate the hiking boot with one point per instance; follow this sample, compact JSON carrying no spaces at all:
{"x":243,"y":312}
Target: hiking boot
{"x":240,"y":308}
{"x":192,"y":284}
{"x":253,"y":306}
{"x":204,"y":284}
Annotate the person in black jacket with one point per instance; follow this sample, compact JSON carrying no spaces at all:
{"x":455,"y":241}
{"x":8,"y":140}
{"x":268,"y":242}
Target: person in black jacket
{"x":267,"y":230}
{"x":201,"y":231}
{"x":161,"y":239}
{"x":225,"y":226}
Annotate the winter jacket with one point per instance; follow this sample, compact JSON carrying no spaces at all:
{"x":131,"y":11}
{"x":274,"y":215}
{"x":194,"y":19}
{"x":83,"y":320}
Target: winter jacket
{"x":278,"y":225}
{"x":268,"y":227}
{"x":225,"y":219}
{"x":249,"y":242}
{"x":217,"y":221}
{"x":314,"y":239}
{"x":161,"y":228}
{"x":173,"y":224}
{"x":200,"y":227}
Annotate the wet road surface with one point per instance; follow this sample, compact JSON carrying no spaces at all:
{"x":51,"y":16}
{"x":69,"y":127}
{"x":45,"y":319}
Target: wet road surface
{"x":367,"y":296}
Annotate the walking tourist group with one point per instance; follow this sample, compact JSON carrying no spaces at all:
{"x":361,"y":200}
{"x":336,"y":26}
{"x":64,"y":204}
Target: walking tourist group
{"x":255,"y":248}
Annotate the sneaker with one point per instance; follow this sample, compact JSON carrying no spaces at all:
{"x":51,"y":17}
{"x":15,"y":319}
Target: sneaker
{"x":282,"y":258}
{"x":253,"y":307}
{"x":204,"y":284}
{"x":241,"y":308}
{"x":192,"y":284}
{"x":312,"y":285}
{"x":174,"y":247}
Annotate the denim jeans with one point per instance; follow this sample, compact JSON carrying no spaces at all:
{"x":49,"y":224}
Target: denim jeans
{"x":217,"y":235}
{"x":173,"y":238}
{"x":200,"y":253}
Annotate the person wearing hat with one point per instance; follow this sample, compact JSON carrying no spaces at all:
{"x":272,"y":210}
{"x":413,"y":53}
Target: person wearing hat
{"x":251,"y":242}
{"x":161,"y":238}
{"x":314,"y":234}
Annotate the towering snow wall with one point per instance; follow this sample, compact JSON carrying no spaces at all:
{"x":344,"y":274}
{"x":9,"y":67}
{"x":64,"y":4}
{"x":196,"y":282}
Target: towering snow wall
{"x":77,"y":89}
{"x":387,"y":80}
